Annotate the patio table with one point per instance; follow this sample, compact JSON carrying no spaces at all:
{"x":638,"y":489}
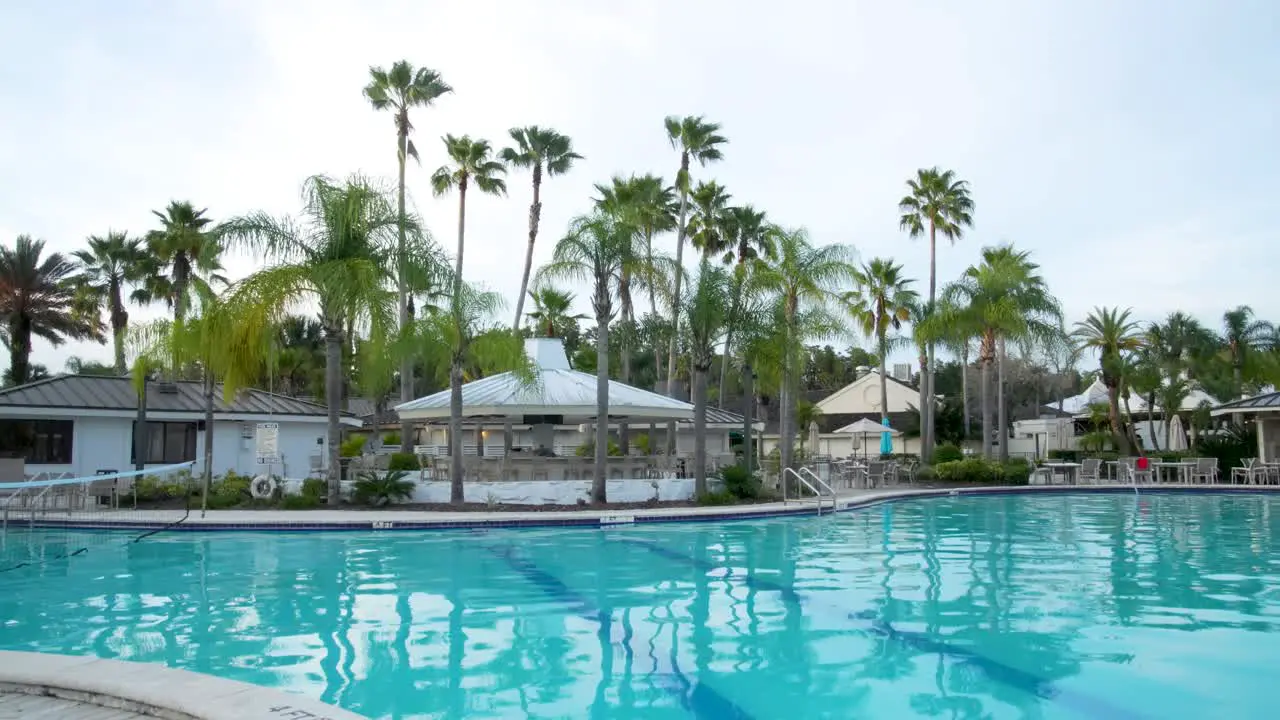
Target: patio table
{"x":1183,"y":468}
{"x":1069,"y":470}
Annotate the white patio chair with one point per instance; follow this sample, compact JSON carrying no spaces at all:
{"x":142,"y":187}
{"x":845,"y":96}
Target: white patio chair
{"x":1206,"y":470}
{"x":1252,"y":473}
{"x":1090,"y":472}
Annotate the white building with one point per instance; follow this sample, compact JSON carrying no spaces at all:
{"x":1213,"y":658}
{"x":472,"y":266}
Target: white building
{"x":862,"y":397}
{"x":82,"y":424}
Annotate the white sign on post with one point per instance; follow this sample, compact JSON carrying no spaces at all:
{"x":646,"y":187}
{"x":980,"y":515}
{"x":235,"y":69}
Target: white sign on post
{"x":268,"y":443}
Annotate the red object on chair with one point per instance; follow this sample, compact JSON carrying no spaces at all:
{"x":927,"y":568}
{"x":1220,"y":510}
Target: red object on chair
{"x":1143,"y":463}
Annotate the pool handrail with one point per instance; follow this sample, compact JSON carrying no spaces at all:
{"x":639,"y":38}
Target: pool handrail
{"x":818,"y":493}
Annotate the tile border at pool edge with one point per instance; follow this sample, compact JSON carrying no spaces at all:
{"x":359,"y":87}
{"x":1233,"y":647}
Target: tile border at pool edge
{"x":381,"y":521}
{"x":154,"y":690}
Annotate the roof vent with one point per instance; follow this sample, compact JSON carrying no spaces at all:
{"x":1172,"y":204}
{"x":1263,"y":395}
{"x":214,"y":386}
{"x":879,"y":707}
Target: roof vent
{"x":167,"y":388}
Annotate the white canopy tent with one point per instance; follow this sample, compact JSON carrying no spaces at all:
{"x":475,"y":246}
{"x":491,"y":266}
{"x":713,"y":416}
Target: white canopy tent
{"x":1096,"y":393}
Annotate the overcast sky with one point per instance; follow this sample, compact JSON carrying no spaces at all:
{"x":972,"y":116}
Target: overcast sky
{"x":1131,"y":146}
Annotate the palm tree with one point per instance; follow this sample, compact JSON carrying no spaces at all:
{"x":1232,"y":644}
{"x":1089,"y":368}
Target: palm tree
{"x":937,"y":202}
{"x":106,"y":268}
{"x":1112,"y":333}
{"x":707,"y":319}
{"x":881,"y":301}
{"x":700,"y":141}
{"x":1243,"y":336}
{"x":397,"y":90}
{"x":551,"y":311}
{"x":472,"y":163}
{"x":189,"y":256}
{"x":707,"y":228}
{"x":1002,"y":298}
{"x":750,"y":240}
{"x":538,"y":149}
{"x":38,"y":298}
{"x":597,"y":249}
{"x":804,"y":278}
{"x":335,"y":256}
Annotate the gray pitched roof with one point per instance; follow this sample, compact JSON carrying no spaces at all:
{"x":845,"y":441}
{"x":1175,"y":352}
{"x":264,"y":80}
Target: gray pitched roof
{"x":95,"y":392}
{"x":1267,"y":402}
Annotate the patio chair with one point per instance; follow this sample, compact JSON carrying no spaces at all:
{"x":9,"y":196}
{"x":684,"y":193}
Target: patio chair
{"x":1090,"y":472}
{"x":1206,"y":470}
{"x":1251,"y":473}
{"x":875,"y":474}
{"x":908,"y":469}
{"x":1134,"y":470}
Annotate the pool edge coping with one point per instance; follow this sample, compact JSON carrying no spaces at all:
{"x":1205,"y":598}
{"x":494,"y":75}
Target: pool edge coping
{"x":153,"y":690}
{"x":398,"y":520}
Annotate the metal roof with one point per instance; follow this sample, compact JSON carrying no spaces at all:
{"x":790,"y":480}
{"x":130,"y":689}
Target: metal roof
{"x":1267,"y":402}
{"x":97,"y":392}
{"x":717,"y":416}
{"x":555,"y":390}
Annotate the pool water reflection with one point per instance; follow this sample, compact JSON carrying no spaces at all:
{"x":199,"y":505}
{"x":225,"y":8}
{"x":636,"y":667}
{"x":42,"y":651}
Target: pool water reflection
{"x":1104,"y":606}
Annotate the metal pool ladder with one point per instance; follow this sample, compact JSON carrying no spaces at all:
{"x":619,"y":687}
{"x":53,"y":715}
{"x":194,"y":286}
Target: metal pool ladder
{"x":816,"y":487}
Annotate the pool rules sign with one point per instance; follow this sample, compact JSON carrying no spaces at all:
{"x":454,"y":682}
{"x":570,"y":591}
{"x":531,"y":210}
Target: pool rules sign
{"x":268,"y":443}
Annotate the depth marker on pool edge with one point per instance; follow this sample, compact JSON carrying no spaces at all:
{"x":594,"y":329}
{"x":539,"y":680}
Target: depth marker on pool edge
{"x":1030,"y":682}
{"x":701,"y":699}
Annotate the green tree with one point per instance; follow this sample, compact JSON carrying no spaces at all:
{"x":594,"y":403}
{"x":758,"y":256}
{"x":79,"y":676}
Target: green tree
{"x":552,"y":312}
{"x":1245,"y":337}
{"x":596,"y":250}
{"x":804,"y":279}
{"x":880,"y":302}
{"x":749,"y":242}
{"x":936,"y":202}
{"x":106,"y":269}
{"x":707,"y":227}
{"x":1002,"y":298}
{"x":538,"y":149}
{"x":1112,"y":333}
{"x":707,"y":319}
{"x":398,"y":90}
{"x":38,"y":299}
{"x":335,"y":256}
{"x":698,"y":141}
{"x":472,"y":163}
{"x":188,"y":256}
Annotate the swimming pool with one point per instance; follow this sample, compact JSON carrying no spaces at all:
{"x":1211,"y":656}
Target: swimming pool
{"x":1007,"y":606}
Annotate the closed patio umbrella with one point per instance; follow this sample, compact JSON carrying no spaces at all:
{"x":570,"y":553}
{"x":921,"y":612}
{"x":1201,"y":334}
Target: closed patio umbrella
{"x":866,"y":428}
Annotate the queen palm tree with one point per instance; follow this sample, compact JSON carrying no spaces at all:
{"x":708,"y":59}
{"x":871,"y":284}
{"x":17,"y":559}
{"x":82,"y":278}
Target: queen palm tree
{"x":188,"y":253}
{"x":750,"y":239}
{"x":397,"y":90}
{"x":596,"y":249}
{"x":107,"y":267}
{"x":539,"y":149}
{"x":698,"y":141}
{"x":334,"y":256}
{"x":804,"y":279}
{"x":881,"y":301}
{"x":1244,"y":336}
{"x":707,"y":227}
{"x":38,"y":299}
{"x":937,"y":202}
{"x":1002,"y":298}
{"x":552,"y":311}
{"x":707,"y":315}
{"x":1112,"y":333}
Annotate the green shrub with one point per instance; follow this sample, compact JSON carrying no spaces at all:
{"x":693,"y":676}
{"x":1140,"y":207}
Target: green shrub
{"x":722,"y":497}
{"x":947,"y":453}
{"x":1015,"y":472}
{"x":315,"y":488}
{"x":925,"y":473}
{"x":642,"y":443}
{"x":979,"y":471}
{"x":391,"y":438}
{"x":589,"y":450}
{"x":378,"y":489}
{"x":232,"y":485}
{"x":403,"y":461}
{"x":352,"y":446}
{"x":1065,"y":455}
{"x":299,"y":502}
{"x":739,"y":483}
{"x":1230,"y":446}
{"x":220,"y":501}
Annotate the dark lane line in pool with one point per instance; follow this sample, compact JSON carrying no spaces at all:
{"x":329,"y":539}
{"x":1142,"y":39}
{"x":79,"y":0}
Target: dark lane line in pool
{"x":1041,"y":687}
{"x":704,"y":701}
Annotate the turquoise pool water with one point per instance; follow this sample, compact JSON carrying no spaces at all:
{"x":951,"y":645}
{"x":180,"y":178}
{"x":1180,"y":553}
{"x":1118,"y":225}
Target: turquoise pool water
{"x":1013,"y":606}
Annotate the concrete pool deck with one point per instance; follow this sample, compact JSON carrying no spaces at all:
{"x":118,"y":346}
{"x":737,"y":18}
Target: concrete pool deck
{"x":390,"y":519}
{"x":68,"y":687}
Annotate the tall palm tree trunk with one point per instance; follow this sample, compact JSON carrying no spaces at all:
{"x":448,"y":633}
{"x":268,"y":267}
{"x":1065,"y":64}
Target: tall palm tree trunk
{"x":748,"y":401}
{"x":700,"y":429}
{"x":119,"y":323}
{"x":653,"y":301}
{"x":141,"y":436}
{"x":628,"y":328}
{"x":535,"y":214}
{"x":728,"y":338}
{"x":20,"y":350}
{"x":402,"y":290}
{"x":926,"y":448}
{"x":207,"y":475}
{"x":456,"y":495}
{"x":787,"y":407}
{"x":1113,"y":414}
{"x":924,"y":397}
{"x":985,"y":389}
{"x":333,"y":401}
{"x":1002,"y":417}
{"x":964,"y":387}
{"x":675,"y":300}
{"x":600,"y":481}
{"x":883,"y":343}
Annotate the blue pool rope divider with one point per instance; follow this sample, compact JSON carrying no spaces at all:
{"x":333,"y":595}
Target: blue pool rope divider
{"x":870,"y":623}
{"x":704,"y":701}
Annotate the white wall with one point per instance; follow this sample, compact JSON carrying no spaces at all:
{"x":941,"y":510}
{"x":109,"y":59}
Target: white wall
{"x":844,"y":445}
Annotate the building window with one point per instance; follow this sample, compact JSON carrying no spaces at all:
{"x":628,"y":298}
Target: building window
{"x":39,"y":442}
{"x":168,"y":442}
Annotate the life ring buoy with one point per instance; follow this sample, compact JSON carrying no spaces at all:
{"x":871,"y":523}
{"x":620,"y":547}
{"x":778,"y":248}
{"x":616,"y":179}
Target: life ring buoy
{"x":262,"y":487}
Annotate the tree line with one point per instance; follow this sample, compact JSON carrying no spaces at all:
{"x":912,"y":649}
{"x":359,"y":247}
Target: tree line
{"x":352,"y":294}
